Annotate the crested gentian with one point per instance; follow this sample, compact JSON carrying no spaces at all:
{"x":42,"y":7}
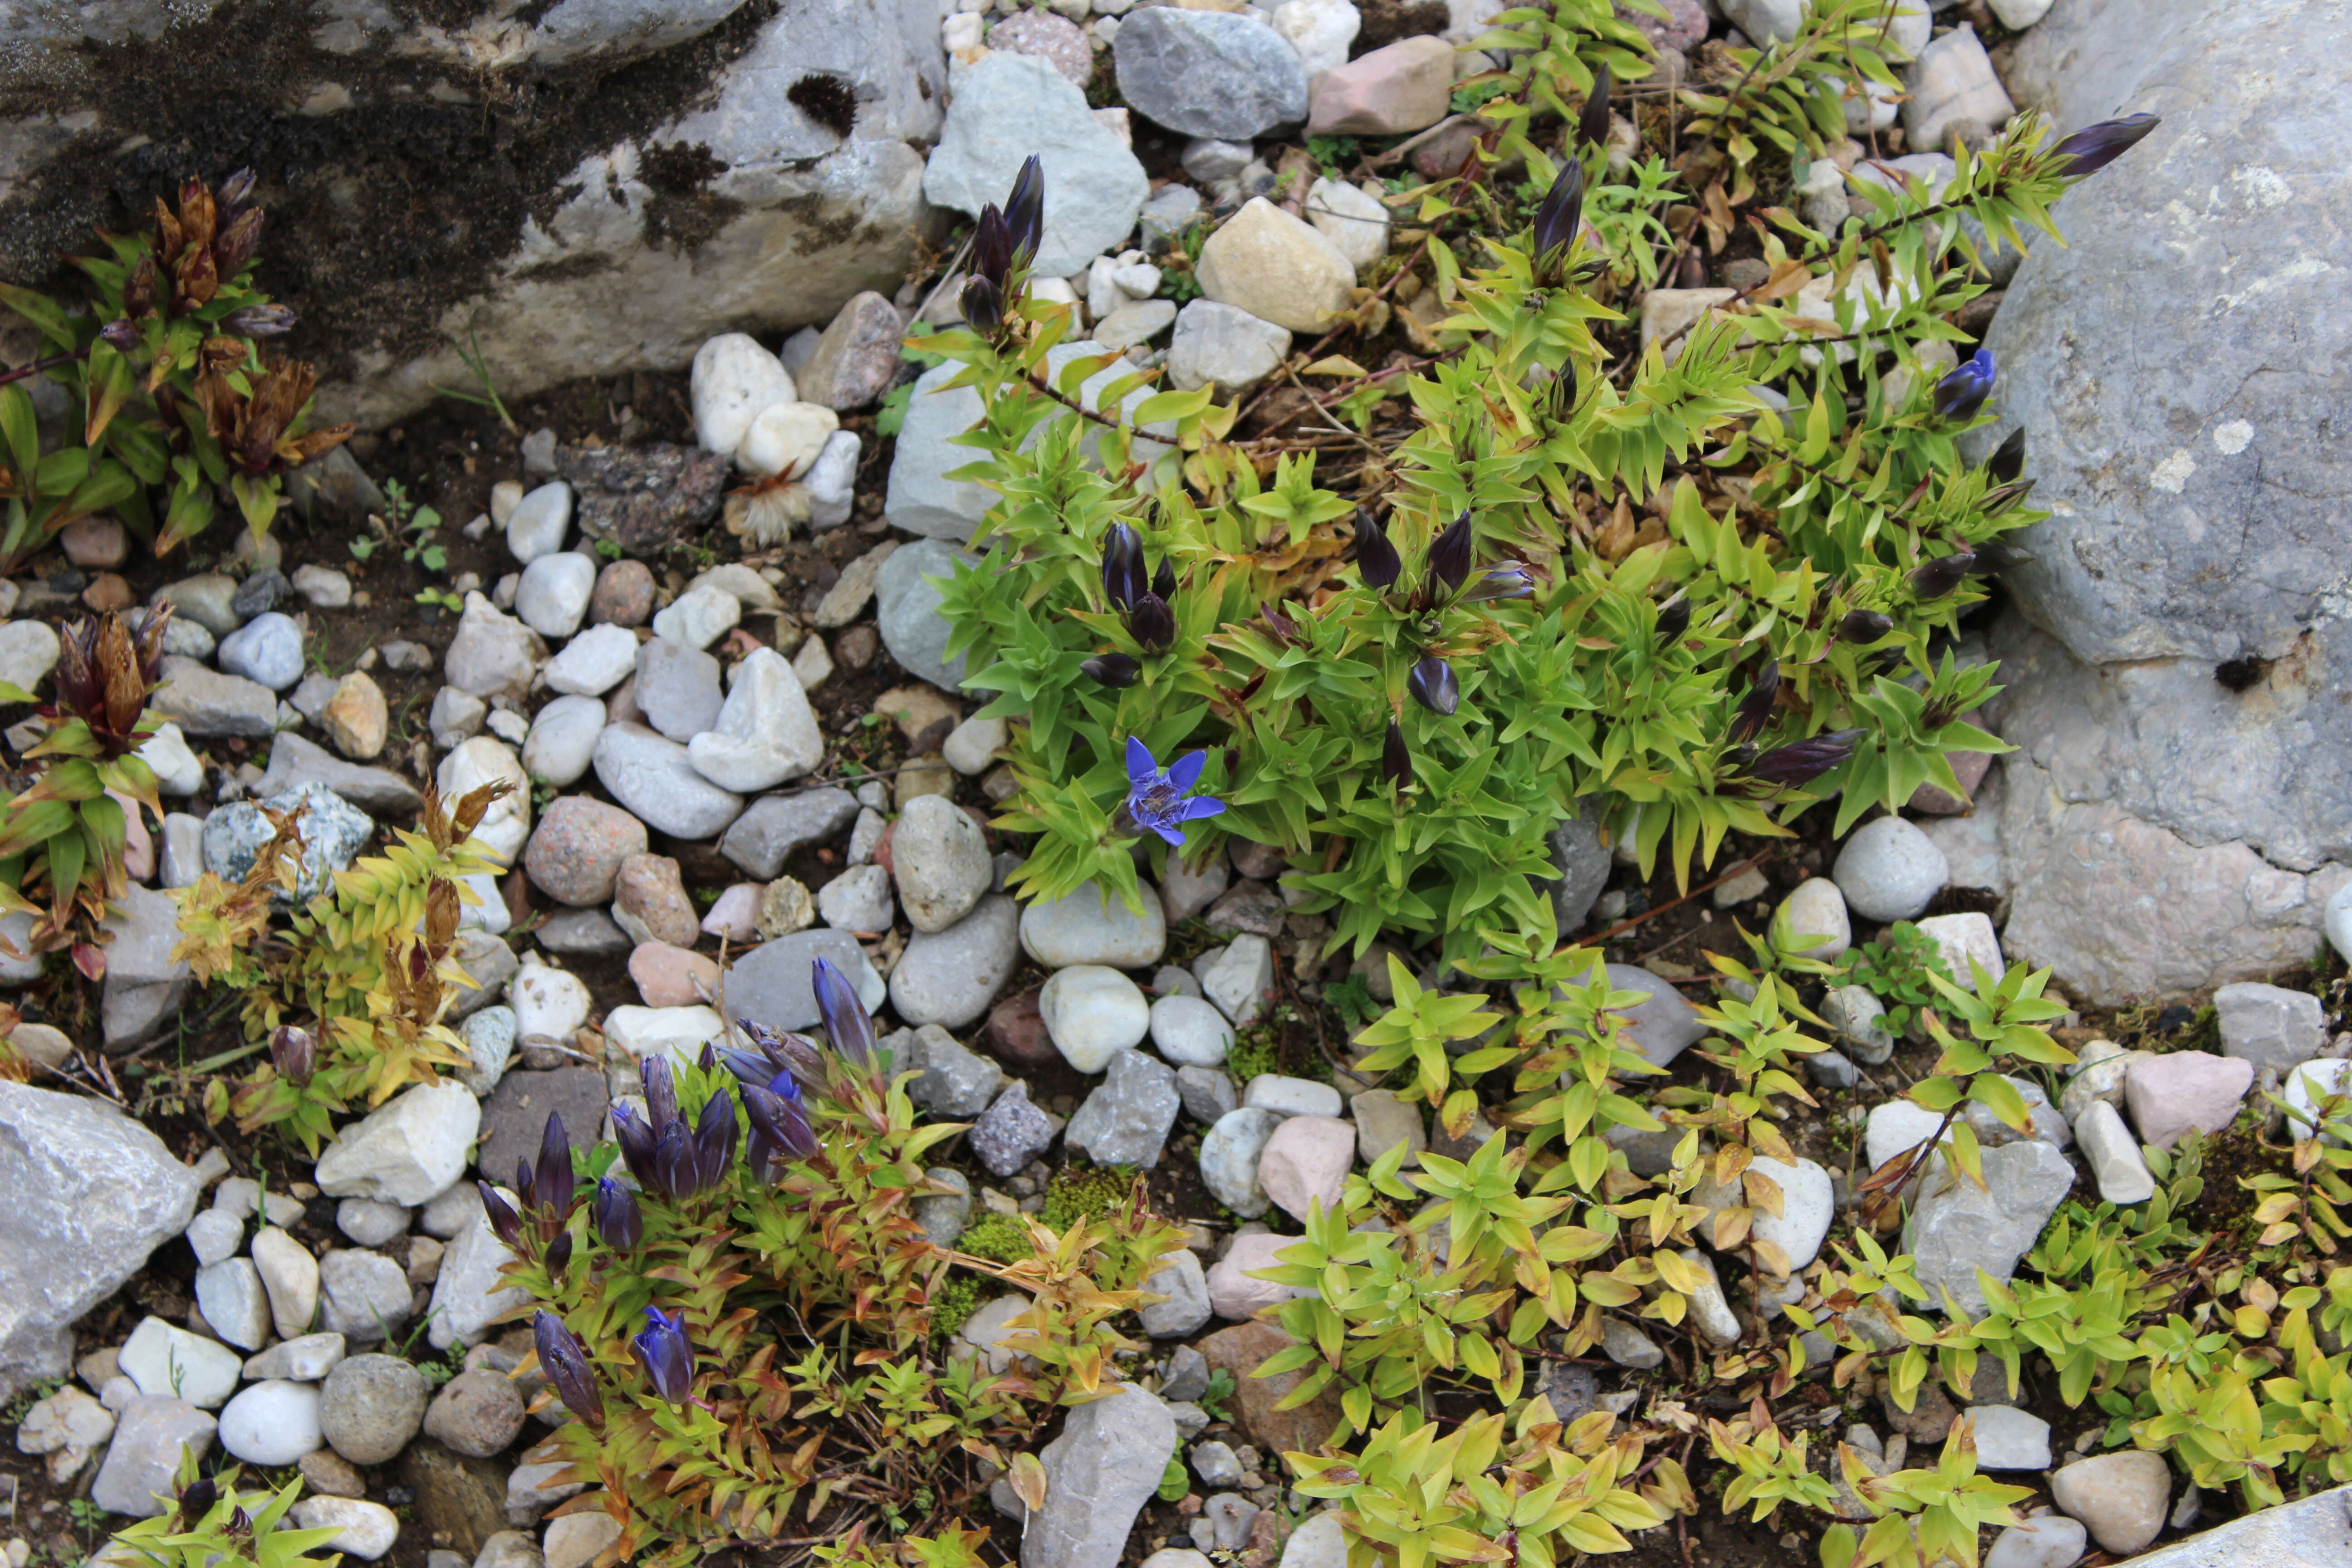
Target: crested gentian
{"x":667,"y":1359}
{"x":1864,"y":626}
{"x":1593,"y":123}
{"x":982,"y":303}
{"x":1116,"y":670}
{"x":847,"y":1025}
{"x":1449,"y":554}
{"x":548,"y":1186}
{"x":557,"y":1254}
{"x":785,"y":1061}
{"x":661,"y":1095}
{"x":1509,"y":581}
{"x":1123,"y":577}
{"x":1024,"y":211}
{"x":1163,"y":579}
{"x":714,"y":1140}
{"x":1150,"y":623}
{"x":1941,"y":575}
{"x":620,"y":1223}
{"x":564,"y":1361}
{"x":2007,"y":463}
{"x":1162,"y":803}
{"x":2094,"y":147}
{"x":1800,"y":762}
{"x":505,"y":1223}
{"x":1432,"y":685}
{"x":1558,"y":220}
{"x":294,"y":1052}
{"x":1960,"y":394}
{"x":1755,"y":710}
{"x":1673,"y":619}
{"x":780,"y":1128}
{"x":1376,"y":556}
{"x":1396,"y":757}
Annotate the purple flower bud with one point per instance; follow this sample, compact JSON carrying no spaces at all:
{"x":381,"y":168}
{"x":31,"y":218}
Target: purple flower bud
{"x":236,"y":192}
{"x":636,"y":1142}
{"x":714,"y":1140}
{"x":1432,"y":685}
{"x":1800,"y":762}
{"x":258,"y":320}
{"x":1995,"y":556}
{"x":1024,"y":211}
{"x":1116,"y":670}
{"x":1592,"y":124}
{"x":564,"y":1362}
{"x":2094,"y":147}
{"x":1279,"y":627}
{"x":1123,"y":577}
{"x":983,"y":304}
{"x":1163,"y":579}
{"x":846,"y":1022}
{"x":779,"y":1129}
{"x":1755,"y":710}
{"x":1449,"y":553}
{"x":1941,"y":575}
{"x":661,"y":1095}
{"x":662,"y":1349}
{"x":557,"y":1256}
{"x":2001,"y":497}
{"x":197,"y":1499}
{"x":2007,"y":463}
{"x":1960,"y":394}
{"x":992,"y":248}
{"x":1150,"y":623}
{"x":1558,"y":219}
{"x":674,"y":1162}
{"x":504,"y":1222}
{"x":1396,"y":758}
{"x":1863,"y":626}
{"x":1673,"y":619}
{"x":122,"y":335}
{"x":551,"y":1186}
{"x":620,"y":1223}
{"x":1510,"y":581}
{"x":294,"y":1052}
{"x":1376,"y":554}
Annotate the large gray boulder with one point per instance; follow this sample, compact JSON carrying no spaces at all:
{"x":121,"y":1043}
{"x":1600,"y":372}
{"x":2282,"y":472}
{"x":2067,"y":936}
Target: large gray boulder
{"x":1099,"y":1473}
{"x":2315,"y":1532}
{"x":90,"y":1193}
{"x":2175,"y":817}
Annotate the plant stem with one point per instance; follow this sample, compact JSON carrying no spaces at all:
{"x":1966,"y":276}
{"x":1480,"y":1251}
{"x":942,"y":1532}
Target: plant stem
{"x":38,"y":366}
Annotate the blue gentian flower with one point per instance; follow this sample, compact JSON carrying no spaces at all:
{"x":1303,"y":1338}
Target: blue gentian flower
{"x":564,"y":1361}
{"x":1960,"y":394}
{"x":619,"y":1224}
{"x":667,"y":1357}
{"x":1158,"y":802}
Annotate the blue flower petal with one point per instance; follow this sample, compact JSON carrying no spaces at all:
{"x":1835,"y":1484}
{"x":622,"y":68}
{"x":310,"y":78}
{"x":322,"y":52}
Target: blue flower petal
{"x":1174,"y":836}
{"x":1200,"y":807}
{"x":1141,"y":769}
{"x":1185,"y":771}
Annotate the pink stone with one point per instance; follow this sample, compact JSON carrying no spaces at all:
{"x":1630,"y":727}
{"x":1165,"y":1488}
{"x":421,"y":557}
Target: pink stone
{"x":94,"y":542}
{"x":1407,"y":86}
{"x":1684,"y":26}
{"x":1233,"y":1293}
{"x":1306,"y":1160}
{"x":1969,"y":767}
{"x":736,"y":915}
{"x":670,"y":976}
{"x":138,"y":847}
{"x":2185,"y":1091}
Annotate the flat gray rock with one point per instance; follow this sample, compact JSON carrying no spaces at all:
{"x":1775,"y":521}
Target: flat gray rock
{"x":1209,"y":73}
{"x":1099,"y":1473}
{"x":295,"y":762}
{"x":908,"y":610}
{"x":950,"y":977}
{"x":1127,"y":1117}
{"x":1956,"y":1227}
{"x":771,"y":985}
{"x":653,"y":778}
{"x":775,"y":826}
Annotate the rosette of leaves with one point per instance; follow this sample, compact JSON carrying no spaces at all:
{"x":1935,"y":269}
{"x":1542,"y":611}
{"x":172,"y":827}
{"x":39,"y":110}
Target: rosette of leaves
{"x":364,"y":971}
{"x":808,"y":1396}
{"x":178,"y":409}
{"x":62,"y":839}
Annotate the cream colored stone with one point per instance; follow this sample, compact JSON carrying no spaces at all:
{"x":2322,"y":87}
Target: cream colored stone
{"x":1278,"y":268}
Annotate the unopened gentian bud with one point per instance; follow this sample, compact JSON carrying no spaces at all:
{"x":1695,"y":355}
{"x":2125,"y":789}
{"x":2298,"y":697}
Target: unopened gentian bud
{"x":992,"y":247}
{"x":138,"y":290}
{"x":714,"y":1140}
{"x":557,"y":1256}
{"x":662,"y":1349}
{"x":1376,"y":553}
{"x":563,"y":1361}
{"x":1150,"y":623}
{"x":620,"y":1223}
{"x":1449,"y":553}
{"x":636,"y":1142}
{"x":1592,"y":124}
{"x":2094,"y":147}
{"x":847,"y":1025}
{"x":661,"y":1094}
{"x":1941,"y":575}
{"x":1864,"y":626}
{"x":236,"y":192}
{"x":1556,"y":221}
{"x":1123,"y":578}
{"x":1801,"y":761}
{"x":197,"y":1499}
{"x":121,"y":334}
{"x":1116,"y":670}
{"x":1755,"y":710}
{"x":1673,"y":619}
{"x":1432,"y":685}
{"x":1511,"y":580}
{"x":983,"y":304}
{"x":1024,"y":211}
{"x":1960,"y":394}
{"x":551,"y":1186}
{"x":2007,"y":463}
{"x":237,"y":243}
{"x":1396,"y":758}
{"x":1163,"y":580}
{"x":504,"y":1222}
{"x":294,"y":1052}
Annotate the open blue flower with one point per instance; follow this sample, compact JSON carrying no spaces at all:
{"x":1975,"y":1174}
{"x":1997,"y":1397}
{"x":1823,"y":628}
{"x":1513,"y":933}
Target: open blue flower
{"x":1961,"y":393}
{"x":1162,"y":803}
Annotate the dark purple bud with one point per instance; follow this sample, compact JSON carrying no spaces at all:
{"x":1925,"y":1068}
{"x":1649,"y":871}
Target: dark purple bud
{"x":992,"y":247}
{"x":1432,"y":685}
{"x":1960,"y":394}
{"x":1941,"y":575}
{"x":674,"y":1162}
{"x":661,"y":1095}
{"x":779,"y":1129}
{"x":1557,"y":220}
{"x":294,"y":1052}
{"x":1024,"y":211}
{"x":1150,"y":623}
{"x":1279,"y":627}
{"x":1511,"y":580}
{"x":1673,"y":619}
{"x":1396,"y":758}
{"x":504,"y":1221}
{"x":197,"y":1499}
{"x":1592,"y":124}
{"x":1863,"y":626}
{"x":2094,"y":147}
{"x":620,"y":1223}
{"x":237,"y":242}
{"x":558,"y":1256}
{"x":714,"y":1140}
{"x":1116,"y":670}
{"x":983,"y":304}
{"x":235,"y":194}
{"x":122,"y":335}
{"x":792,"y":1054}
{"x":2001,"y":497}
{"x":258,"y":320}
{"x":1123,"y":578}
{"x":552,"y":1186}
{"x":1376,"y":554}
{"x":667,"y":1359}
{"x":138,"y":290}
{"x":1449,"y":553}
{"x":636,"y":1142}
{"x":1755,"y":710}
{"x":1800,"y":762}
{"x":1163,"y":579}
{"x":2007,"y":463}
{"x":563,"y":1361}
{"x":1995,"y":556}
{"x":846,"y":1022}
